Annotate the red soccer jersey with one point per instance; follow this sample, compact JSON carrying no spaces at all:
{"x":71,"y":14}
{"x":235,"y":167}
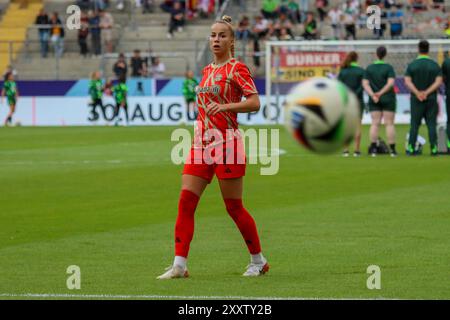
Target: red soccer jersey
{"x":225,"y":83}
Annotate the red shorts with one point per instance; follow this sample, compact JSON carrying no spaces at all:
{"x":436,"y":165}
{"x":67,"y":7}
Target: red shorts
{"x":226,"y":164}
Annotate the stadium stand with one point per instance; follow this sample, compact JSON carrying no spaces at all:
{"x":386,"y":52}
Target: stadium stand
{"x":15,"y":19}
{"x":133,"y":30}
{"x":187,"y":49}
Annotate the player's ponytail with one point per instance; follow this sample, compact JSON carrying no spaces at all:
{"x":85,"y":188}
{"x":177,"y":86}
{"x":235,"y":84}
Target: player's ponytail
{"x":351,"y":57}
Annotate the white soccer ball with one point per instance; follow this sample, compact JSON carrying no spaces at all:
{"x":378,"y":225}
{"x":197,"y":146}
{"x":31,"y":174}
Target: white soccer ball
{"x":322,"y":114}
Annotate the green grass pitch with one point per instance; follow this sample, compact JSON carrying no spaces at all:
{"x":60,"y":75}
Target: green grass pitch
{"x":105,"y":199}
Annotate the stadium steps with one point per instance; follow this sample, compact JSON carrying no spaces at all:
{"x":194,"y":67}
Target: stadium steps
{"x":13,"y":26}
{"x":71,"y":67}
{"x":138,"y":31}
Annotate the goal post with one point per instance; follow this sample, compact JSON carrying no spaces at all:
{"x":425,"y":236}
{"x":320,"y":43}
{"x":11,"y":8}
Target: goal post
{"x":289,"y":62}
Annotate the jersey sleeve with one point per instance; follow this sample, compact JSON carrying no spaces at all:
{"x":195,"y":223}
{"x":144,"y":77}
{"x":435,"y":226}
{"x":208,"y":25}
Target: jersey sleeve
{"x":184,"y":88}
{"x":366,"y":74}
{"x":244,"y":80}
{"x":391,"y":73}
{"x":444,"y":69}
{"x":408,"y":71}
{"x":438,"y":71}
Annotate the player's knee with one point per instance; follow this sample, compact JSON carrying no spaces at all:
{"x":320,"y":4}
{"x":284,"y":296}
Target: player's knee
{"x":235,"y":208}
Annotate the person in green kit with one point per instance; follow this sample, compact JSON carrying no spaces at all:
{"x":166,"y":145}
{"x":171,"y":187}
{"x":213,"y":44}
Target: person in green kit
{"x":378,"y":82}
{"x":423,"y":77}
{"x":351,"y":74}
{"x":270,"y":9}
{"x":446,"y":75}
{"x":120,"y":91}
{"x":189,"y":85}
{"x":12,"y":94}
{"x":96,"y":89}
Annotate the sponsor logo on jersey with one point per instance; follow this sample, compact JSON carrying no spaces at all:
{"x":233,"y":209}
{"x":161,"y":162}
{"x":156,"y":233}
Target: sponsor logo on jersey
{"x":208,"y":89}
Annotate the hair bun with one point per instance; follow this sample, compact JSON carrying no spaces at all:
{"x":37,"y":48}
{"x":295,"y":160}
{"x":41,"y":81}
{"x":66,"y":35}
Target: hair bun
{"x":227,"y":19}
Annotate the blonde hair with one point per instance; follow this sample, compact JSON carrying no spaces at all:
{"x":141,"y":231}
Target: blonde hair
{"x":227,"y":21}
{"x":93,"y":74}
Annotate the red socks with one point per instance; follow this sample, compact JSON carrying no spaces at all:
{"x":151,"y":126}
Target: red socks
{"x":184,"y":227}
{"x":245,"y":223}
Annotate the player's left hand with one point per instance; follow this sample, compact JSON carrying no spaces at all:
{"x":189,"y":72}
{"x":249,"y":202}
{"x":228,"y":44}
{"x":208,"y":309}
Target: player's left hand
{"x":214,"y":108}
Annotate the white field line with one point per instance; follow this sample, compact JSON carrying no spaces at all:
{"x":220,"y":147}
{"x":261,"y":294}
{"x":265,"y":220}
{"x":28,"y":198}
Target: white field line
{"x":134,"y":297}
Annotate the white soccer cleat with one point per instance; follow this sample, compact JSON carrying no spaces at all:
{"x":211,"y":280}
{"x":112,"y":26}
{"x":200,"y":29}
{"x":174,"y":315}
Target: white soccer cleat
{"x":174,"y":272}
{"x":254,"y":270}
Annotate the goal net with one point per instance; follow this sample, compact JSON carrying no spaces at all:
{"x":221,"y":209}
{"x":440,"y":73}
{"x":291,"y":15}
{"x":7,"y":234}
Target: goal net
{"x":290,"y":62}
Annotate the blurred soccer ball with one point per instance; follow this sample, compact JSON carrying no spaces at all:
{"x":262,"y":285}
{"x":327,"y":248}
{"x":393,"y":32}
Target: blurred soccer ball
{"x":322,"y":114}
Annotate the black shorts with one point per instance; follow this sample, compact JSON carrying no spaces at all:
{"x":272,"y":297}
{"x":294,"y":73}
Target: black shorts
{"x":383,"y":105}
{"x":97,"y":102}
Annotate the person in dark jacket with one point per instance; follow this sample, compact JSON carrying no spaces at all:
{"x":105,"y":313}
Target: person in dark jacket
{"x":44,"y":31}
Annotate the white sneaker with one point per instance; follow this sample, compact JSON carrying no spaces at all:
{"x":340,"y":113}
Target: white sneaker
{"x":254,"y":270}
{"x":169,"y":36}
{"x":173,"y":272}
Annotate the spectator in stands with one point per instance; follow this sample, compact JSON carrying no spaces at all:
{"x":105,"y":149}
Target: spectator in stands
{"x":447,"y":28}
{"x":120,"y":4}
{"x":379,"y":32}
{"x":439,"y":4}
{"x":106,"y":25}
{"x":204,"y":8}
{"x":280,"y":23}
{"x":243,"y":29}
{"x":157,"y":68}
{"x":270,"y":9}
{"x":138,"y":65}
{"x":44,"y":32}
{"x":94,"y":27}
{"x":83,"y":33}
{"x":418,"y":5}
{"x":321,"y":8}
{"x":284,"y":35}
{"x":147,"y":6}
{"x":260,"y":31}
{"x":176,"y":19}
{"x":167,"y":6}
{"x":120,"y":67}
{"x":310,"y":25}
{"x":292,"y":10}
{"x":350,"y":13}
{"x":84,"y":4}
{"x":396,"y":21}
{"x":57,"y":35}
{"x":304,"y":5}
{"x":335,"y":15}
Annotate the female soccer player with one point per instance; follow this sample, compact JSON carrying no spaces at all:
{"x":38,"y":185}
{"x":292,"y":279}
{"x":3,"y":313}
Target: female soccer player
{"x":96,"y":92}
{"x":120,"y":91}
{"x":189,"y":85}
{"x":378,"y":82}
{"x":352,"y":74}
{"x":12,"y":94}
{"x":219,"y":99}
